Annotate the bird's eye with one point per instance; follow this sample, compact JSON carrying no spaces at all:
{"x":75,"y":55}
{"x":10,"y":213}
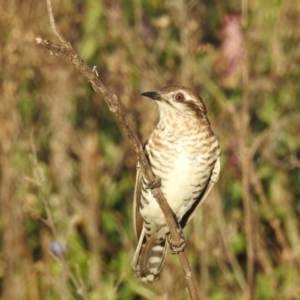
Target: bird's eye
{"x":179,"y":97}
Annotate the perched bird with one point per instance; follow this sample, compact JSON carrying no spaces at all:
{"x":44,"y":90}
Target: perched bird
{"x":184,"y":154}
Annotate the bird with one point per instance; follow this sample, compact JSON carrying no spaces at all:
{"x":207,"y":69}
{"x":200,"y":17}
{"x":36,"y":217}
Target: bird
{"x":184,"y":156}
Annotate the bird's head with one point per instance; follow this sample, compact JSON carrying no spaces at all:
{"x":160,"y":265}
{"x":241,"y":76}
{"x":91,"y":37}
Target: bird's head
{"x":178,"y":101}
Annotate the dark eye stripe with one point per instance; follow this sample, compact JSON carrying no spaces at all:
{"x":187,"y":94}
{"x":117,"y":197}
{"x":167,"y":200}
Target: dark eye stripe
{"x":199,"y":111}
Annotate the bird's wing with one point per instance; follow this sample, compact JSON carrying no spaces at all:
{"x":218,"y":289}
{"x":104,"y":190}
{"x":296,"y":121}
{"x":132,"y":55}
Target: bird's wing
{"x":213,"y":179}
{"x":137,"y":218}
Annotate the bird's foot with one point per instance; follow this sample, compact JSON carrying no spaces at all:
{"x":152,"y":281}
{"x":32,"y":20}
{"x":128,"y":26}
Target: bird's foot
{"x":177,"y":247}
{"x":154,"y":184}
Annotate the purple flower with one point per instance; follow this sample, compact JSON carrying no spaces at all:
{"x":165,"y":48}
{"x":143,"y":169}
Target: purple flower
{"x":58,"y":248}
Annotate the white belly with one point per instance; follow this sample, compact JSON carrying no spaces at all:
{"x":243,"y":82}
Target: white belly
{"x":179,"y":181}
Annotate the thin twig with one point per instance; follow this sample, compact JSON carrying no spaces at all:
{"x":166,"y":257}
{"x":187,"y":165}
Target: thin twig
{"x":68,"y":52}
{"x":53,"y":26}
{"x":40,"y":182}
{"x":80,"y":287}
{"x":236,"y":268}
{"x":247,"y":201}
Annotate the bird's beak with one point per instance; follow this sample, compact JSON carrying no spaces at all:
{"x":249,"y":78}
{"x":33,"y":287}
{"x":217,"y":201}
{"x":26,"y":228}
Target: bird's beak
{"x":152,"y":95}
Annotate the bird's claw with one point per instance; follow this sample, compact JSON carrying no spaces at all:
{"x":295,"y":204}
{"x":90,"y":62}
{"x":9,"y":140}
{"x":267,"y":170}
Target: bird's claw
{"x":177,"y":247}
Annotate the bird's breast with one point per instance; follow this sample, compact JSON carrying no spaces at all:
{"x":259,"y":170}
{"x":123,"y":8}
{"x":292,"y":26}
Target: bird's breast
{"x":184,"y":165}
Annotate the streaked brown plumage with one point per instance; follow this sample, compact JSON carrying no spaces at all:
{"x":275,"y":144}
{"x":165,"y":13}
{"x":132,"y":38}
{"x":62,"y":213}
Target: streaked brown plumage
{"x":184,"y":153}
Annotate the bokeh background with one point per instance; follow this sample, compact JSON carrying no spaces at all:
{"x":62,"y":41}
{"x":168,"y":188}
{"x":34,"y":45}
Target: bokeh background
{"x":67,"y":171}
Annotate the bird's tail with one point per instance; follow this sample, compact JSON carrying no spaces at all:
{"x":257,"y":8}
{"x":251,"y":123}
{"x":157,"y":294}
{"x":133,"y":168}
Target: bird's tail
{"x":149,"y":258}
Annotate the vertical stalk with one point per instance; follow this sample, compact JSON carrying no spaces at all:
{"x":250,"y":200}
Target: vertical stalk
{"x":247,"y":201}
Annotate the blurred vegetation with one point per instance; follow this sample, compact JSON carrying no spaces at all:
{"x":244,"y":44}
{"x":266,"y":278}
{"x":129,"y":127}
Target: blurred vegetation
{"x":67,"y":172}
